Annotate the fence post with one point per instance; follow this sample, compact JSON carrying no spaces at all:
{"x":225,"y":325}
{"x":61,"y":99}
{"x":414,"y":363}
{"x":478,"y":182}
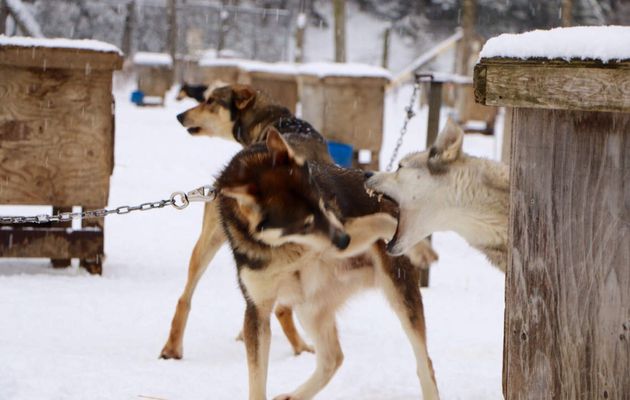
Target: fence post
{"x":567,"y":295}
{"x":340,"y":30}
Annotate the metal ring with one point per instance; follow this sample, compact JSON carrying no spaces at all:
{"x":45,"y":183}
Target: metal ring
{"x":184,"y":200}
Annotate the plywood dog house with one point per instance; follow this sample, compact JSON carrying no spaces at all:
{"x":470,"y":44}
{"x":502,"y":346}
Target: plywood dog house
{"x":346,"y":102}
{"x":56,"y":142}
{"x":154,"y":72}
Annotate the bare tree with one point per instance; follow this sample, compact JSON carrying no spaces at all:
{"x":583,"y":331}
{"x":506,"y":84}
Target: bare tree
{"x":340,"y":30}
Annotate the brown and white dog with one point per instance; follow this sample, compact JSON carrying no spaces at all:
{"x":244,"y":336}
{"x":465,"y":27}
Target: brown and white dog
{"x":242,"y":114}
{"x":444,"y":189}
{"x":305,"y":234}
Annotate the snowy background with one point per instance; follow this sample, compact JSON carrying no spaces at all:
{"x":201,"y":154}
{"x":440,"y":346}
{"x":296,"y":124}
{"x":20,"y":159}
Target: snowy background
{"x":66,"y":335}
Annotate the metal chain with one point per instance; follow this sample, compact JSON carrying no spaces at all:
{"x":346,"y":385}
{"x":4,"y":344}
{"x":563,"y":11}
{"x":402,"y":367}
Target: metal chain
{"x":179,"y":200}
{"x":409,"y":114}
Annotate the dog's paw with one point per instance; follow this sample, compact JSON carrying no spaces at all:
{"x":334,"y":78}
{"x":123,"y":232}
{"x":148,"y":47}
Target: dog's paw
{"x":169,"y":353}
{"x":286,"y":397}
{"x":303,"y":347}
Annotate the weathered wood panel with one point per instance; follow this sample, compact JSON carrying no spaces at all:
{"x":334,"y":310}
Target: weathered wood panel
{"x":576,"y":85}
{"x":568,"y":282}
{"x":51,"y":242}
{"x":282,"y":88}
{"x":345,"y":109}
{"x":49,"y":57}
{"x":154,"y":81}
{"x":56,"y":136}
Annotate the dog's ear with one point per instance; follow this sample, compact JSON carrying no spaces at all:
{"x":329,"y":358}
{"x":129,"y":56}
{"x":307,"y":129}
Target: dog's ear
{"x":450,"y":141}
{"x":281,"y":152}
{"x":447,"y":147}
{"x":243,"y":96}
{"x":244,"y":194}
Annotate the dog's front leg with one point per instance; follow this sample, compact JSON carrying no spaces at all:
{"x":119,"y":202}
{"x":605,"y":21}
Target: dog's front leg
{"x":321,"y":326}
{"x":256,"y":333}
{"x":210,"y":239}
{"x":366,"y":230}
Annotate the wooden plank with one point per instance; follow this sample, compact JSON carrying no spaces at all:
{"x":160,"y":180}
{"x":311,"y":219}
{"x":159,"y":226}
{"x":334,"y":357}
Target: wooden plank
{"x":48,"y":57}
{"x":568,"y":282}
{"x":56,"y":243}
{"x":553,"y":84}
{"x":56,"y":142}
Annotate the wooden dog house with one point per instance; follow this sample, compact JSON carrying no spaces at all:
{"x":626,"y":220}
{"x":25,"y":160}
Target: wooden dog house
{"x":278,"y":80}
{"x":56,"y":142}
{"x":154,"y":73}
{"x":567,"y":317}
{"x":346,"y":103}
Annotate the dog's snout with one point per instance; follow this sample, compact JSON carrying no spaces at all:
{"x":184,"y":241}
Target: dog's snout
{"x":181,"y":117}
{"x":341,"y":240}
{"x":368,"y":174}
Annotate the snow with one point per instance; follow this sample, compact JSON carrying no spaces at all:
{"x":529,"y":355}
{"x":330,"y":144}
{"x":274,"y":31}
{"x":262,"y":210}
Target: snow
{"x":154,"y":59}
{"x":323,"y":69}
{"x":277,"y":68}
{"x":82,"y":44}
{"x":67,"y":335}
{"x":605,"y":43}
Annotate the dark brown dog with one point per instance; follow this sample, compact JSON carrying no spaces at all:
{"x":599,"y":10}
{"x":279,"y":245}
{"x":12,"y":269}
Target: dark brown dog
{"x":303,"y":234}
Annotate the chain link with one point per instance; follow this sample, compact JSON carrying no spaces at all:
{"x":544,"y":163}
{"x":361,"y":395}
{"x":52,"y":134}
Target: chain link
{"x":178,"y":200}
{"x":409,"y":114}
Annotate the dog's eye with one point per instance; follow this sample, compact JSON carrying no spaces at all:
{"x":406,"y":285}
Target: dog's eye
{"x":262,"y":225}
{"x":210,"y":100}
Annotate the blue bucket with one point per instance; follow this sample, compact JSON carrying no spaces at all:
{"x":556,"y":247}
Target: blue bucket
{"x":137,"y":97}
{"x":341,"y":153}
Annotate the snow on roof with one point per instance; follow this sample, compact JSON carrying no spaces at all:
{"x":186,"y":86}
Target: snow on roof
{"x":155,"y":59}
{"x":323,"y":69}
{"x":210,"y":57}
{"x":278,"y":67}
{"x":603,"y":43}
{"x":220,"y":62}
{"x":84,"y":44}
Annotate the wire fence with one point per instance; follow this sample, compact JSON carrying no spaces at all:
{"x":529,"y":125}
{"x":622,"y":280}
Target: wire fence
{"x":262,"y":33}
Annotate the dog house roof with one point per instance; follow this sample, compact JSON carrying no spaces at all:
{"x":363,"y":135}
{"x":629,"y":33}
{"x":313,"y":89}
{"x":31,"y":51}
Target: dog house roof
{"x":603,"y":43}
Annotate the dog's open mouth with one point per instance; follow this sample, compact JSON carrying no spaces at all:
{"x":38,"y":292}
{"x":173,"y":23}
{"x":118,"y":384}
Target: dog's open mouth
{"x":194,"y":129}
{"x":371,"y":192}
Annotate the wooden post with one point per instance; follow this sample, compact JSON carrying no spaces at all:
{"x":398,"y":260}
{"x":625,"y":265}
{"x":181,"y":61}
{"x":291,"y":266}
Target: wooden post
{"x":469,"y":17}
{"x":4,"y":14}
{"x":567,"y":316}
{"x":385,"y":58}
{"x":130,"y":21}
{"x":567,"y":12}
{"x":339,"y":7}
{"x":300,"y":30}
{"x":172,"y":28}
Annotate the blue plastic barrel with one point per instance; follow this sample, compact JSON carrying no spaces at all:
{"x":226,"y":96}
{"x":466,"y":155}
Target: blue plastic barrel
{"x":137,"y":97}
{"x":341,"y":153}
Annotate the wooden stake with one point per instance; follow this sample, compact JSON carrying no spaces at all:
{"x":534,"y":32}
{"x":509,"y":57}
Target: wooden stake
{"x":340,"y":30}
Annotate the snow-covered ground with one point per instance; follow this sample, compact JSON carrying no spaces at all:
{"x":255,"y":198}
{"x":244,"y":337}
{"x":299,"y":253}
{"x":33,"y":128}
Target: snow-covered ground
{"x":68,"y":335}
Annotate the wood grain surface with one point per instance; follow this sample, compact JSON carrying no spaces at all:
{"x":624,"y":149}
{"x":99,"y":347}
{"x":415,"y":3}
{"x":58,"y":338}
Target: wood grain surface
{"x":567,"y":328}
{"x":552,"y":84}
{"x":56,"y":136}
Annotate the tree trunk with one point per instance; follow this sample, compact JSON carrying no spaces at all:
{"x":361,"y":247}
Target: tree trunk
{"x":130,"y":20}
{"x":469,"y":17}
{"x":385,"y":59}
{"x":4,"y":14}
{"x":340,"y":30}
{"x":567,"y":12}
{"x":172,"y":28}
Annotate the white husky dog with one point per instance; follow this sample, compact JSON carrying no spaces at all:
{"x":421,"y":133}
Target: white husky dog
{"x":444,"y":189}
